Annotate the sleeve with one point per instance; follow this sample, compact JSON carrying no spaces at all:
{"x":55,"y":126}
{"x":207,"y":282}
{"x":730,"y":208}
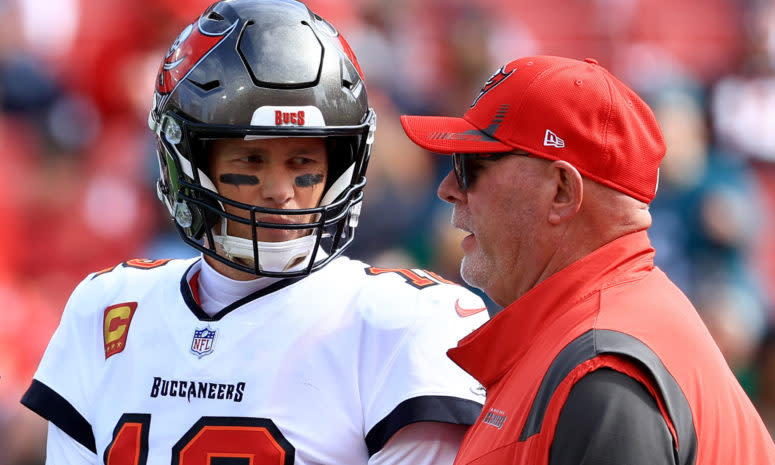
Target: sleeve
{"x":60,"y":389}
{"x":611,"y":418}
{"x":422,"y":443}
{"x":406,"y":376}
{"x":62,"y":449}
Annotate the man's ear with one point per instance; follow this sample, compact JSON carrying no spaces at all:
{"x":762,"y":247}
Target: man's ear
{"x":569,"y":191}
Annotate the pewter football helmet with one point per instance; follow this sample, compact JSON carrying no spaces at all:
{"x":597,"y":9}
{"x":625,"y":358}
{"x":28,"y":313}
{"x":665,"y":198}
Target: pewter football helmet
{"x":261,"y":68}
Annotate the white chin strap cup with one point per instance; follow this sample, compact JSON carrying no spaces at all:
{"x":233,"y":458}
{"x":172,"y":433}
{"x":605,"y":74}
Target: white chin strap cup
{"x":272,"y":256}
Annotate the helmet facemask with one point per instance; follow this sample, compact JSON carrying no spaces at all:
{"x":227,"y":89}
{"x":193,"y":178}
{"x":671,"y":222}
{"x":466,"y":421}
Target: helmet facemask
{"x":200,"y":212}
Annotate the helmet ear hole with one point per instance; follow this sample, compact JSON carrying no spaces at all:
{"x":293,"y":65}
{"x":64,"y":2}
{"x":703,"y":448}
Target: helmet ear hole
{"x":201,"y":151}
{"x":212,"y":211}
{"x":210,"y":215}
{"x":341,"y":155}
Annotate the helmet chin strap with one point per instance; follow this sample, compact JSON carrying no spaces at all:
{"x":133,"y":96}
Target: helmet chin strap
{"x":272,"y":256}
{"x":280,"y":256}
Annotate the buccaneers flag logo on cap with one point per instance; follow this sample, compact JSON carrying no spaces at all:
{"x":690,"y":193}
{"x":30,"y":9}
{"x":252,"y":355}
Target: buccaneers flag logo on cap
{"x":494,"y":80}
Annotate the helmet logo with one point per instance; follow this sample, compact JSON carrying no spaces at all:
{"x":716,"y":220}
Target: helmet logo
{"x":306,"y":116}
{"x":180,"y":39}
{"x":188,"y":49}
{"x":295,"y":118}
{"x":494,"y":80}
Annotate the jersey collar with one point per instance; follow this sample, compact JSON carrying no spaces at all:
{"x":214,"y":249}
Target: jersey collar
{"x":189,"y":289}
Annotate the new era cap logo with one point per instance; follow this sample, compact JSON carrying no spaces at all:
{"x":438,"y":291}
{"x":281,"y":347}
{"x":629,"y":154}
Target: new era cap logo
{"x":553,"y":140}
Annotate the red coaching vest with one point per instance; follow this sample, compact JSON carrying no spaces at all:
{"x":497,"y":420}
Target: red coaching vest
{"x":611,"y":309}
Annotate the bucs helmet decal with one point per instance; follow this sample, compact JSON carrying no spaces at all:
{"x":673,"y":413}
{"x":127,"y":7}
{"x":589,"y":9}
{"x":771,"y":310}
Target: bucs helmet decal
{"x":186,"y":51}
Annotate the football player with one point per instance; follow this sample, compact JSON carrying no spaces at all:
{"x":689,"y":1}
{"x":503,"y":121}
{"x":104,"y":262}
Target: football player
{"x":271,"y":347}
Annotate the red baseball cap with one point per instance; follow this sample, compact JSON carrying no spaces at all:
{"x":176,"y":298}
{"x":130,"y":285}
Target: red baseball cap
{"x":559,"y":109}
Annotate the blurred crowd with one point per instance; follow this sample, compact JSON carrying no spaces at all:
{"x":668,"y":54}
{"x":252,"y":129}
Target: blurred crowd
{"x":78,"y":165}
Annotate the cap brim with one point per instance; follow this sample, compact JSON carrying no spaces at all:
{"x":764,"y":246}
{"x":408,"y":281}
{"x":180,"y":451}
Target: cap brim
{"x":443,"y":134}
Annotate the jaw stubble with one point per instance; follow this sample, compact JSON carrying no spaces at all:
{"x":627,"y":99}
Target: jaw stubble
{"x":476,"y":267}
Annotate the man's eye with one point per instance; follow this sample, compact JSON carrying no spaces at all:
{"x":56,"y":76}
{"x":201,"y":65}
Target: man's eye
{"x":250,"y":159}
{"x":302,"y":161}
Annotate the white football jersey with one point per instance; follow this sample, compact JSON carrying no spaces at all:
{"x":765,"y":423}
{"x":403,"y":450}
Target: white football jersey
{"x":318,"y":370}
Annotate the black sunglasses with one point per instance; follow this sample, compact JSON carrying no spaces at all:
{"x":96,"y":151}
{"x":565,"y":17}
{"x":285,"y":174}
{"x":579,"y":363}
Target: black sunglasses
{"x":466,"y":169}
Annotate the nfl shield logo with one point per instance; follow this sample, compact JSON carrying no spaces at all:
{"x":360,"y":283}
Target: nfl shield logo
{"x":204,"y":340}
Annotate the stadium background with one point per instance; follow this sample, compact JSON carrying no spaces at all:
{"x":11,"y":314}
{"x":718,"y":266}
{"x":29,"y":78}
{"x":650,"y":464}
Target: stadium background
{"x":78,"y":169}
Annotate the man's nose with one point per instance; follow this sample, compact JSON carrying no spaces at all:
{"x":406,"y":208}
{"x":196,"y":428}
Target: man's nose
{"x":448,"y":190}
{"x":277,"y":186}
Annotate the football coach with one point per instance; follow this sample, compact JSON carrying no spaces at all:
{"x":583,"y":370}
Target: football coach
{"x":597,"y":357}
